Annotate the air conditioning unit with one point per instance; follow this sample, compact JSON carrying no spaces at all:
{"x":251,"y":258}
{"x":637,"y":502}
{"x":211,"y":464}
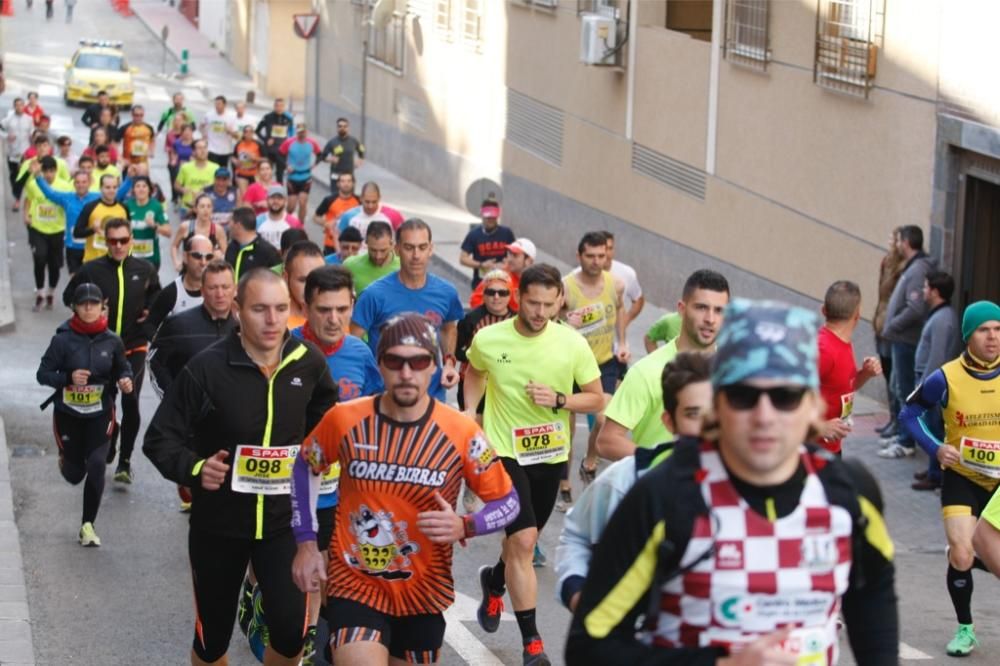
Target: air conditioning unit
{"x":597,"y":39}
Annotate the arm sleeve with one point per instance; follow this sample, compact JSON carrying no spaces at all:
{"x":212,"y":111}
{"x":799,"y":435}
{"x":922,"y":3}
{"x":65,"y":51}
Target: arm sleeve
{"x":487,"y":478}
{"x":161,"y":306}
{"x":165,"y":443}
{"x":455,"y":309}
{"x":932,"y":391}
{"x":469,"y":243}
{"x":586,"y":369}
{"x":464,"y":339}
{"x":50,"y":370}
{"x":124,"y":189}
{"x":870,"y":604}
{"x":627,"y":558}
{"x":304,"y":496}
{"x":52,"y":195}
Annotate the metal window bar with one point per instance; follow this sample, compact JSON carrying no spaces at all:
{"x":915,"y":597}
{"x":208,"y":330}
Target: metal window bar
{"x":848,"y":37}
{"x":387,"y":45}
{"x":442,"y":19}
{"x":747,"y":39}
{"x":472,"y":23}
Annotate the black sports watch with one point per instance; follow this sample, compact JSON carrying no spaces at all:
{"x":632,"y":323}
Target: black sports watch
{"x":560,"y":401}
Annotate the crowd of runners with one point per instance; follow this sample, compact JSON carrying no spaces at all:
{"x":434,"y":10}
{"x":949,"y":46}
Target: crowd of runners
{"x":305,"y":418}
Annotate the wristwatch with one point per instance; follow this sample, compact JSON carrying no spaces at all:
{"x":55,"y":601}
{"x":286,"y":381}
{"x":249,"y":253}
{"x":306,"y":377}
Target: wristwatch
{"x":560,"y":402}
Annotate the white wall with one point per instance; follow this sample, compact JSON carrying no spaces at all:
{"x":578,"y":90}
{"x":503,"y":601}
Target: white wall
{"x":212,"y":17}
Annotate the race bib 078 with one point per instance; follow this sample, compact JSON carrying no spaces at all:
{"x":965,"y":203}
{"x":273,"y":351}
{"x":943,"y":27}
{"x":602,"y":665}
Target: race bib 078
{"x":540,"y":443}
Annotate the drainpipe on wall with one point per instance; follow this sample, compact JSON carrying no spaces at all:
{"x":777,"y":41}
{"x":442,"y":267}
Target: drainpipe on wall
{"x":718,"y":7}
{"x":365,"y":23}
{"x":633,"y":28}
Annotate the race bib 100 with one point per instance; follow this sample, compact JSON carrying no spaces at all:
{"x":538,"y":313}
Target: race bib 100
{"x":981,"y":455}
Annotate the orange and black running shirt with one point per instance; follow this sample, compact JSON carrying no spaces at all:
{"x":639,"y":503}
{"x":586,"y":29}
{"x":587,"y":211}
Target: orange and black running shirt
{"x":389,"y":472}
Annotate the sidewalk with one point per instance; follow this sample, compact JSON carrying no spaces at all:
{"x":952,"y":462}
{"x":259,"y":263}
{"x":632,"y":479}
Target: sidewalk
{"x":16,"y":646}
{"x":207,"y":68}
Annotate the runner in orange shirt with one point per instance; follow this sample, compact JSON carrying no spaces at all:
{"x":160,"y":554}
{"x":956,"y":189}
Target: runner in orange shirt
{"x":246,"y":158}
{"x":332,"y":207}
{"x":403,"y":457}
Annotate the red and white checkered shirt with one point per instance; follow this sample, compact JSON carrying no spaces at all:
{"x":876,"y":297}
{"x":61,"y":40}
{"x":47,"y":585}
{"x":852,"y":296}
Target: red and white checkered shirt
{"x":746,"y":576}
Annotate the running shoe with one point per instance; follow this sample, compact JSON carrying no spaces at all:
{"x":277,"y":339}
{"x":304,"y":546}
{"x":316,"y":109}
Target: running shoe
{"x":257,"y":633}
{"x":886,"y":442}
{"x":39,"y":299}
{"x":587,"y":474}
{"x":920,"y":476}
{"x":565,"y":502}
{"x":48,"y":301}
{"x":890,"y":429}
{"x":88,"y":537}
{"x":896,"y":450}
{"x":309,"y":648}
{"x":491,"y":606}
{"x":243,"y":610}
{"x":964,"y":641}
{"x":534,"y":653}
{"x":538,"y":559}
{"x":123,"y":473}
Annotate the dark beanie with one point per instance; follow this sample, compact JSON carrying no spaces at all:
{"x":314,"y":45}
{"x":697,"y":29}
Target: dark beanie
{"x":412,"y":329}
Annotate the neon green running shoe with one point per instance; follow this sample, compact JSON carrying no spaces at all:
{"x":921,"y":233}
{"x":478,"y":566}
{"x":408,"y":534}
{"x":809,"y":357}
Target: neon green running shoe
{"x":88,"y":537}
{"x":964,"y":641}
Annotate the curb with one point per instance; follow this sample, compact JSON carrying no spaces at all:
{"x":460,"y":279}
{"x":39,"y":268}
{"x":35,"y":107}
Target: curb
{"x":16,"y":645}
{"x":6,"y":291}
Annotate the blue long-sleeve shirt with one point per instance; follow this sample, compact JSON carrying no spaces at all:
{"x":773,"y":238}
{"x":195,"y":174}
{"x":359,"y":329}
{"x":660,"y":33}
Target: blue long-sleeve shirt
{"x":73,"y":203}
{"x":933,"y":390}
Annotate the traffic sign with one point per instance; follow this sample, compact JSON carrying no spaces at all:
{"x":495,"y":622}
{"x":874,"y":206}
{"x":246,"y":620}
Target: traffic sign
{"x":305,"y":24}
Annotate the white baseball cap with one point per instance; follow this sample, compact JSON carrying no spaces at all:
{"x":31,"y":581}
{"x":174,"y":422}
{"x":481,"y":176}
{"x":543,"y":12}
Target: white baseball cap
{"x":523,"y":246}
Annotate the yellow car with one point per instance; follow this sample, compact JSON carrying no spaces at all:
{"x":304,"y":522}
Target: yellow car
{"x":99,"y":65}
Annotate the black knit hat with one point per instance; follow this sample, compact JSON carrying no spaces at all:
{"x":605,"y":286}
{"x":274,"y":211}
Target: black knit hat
{"x":409,"y":328}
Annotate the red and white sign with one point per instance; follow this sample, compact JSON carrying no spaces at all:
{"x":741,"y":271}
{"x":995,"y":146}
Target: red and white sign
{"x":305,"y":24}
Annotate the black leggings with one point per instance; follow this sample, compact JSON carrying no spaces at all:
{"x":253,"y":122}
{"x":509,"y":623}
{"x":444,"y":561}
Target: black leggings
{"x":83,"y":445}
{"x":46,"y":252}
{"x":130,"y":405}
{"x":218,"y":565}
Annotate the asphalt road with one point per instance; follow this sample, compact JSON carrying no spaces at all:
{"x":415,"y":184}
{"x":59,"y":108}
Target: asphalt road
{"x":130,"y":601}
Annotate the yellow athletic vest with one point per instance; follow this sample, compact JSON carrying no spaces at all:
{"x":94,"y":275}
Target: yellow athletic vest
{"x":95,"y":246}
{"x":598,"y":314}
{"x":973,"y":414}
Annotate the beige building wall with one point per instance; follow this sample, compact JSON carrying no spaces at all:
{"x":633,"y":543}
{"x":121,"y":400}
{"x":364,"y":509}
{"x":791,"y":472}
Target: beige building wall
{"x":806,"y":183}
{"x":263,"y":44}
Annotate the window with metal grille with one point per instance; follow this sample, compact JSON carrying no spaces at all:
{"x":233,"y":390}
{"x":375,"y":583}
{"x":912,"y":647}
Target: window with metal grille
{"x":472,"y":23}
{"x":443,"y":19}
{"x":387,"y":45}
{"x":747,"y":33}
{"x":848,"y":36}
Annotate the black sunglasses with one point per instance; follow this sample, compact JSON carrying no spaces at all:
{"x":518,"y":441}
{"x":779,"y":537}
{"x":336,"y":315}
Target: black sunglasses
{"x":496,"y":292}
{"x":199,"y":256}
{"x":784,"y":398}
{"x":419,"y":362}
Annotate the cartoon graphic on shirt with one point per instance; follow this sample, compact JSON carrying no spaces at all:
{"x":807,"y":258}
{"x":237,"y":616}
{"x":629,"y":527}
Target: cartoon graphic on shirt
{"x":482,"y":453}
{"x":383,"y":546}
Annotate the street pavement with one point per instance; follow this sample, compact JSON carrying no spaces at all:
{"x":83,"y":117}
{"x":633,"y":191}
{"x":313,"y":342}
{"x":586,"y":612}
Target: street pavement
{"x":130,"y":600}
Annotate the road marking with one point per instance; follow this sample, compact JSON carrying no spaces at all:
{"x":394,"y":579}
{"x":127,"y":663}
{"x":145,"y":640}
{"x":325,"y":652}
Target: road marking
{"x":911,"y":653}
{"x":61,"y":122}
{"x":157,"y":94}
{"x":49,"y":90}
{"x":463,"y":641}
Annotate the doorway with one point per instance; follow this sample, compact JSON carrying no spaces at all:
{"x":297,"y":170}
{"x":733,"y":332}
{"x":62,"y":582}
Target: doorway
{"x":979,"y":271}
